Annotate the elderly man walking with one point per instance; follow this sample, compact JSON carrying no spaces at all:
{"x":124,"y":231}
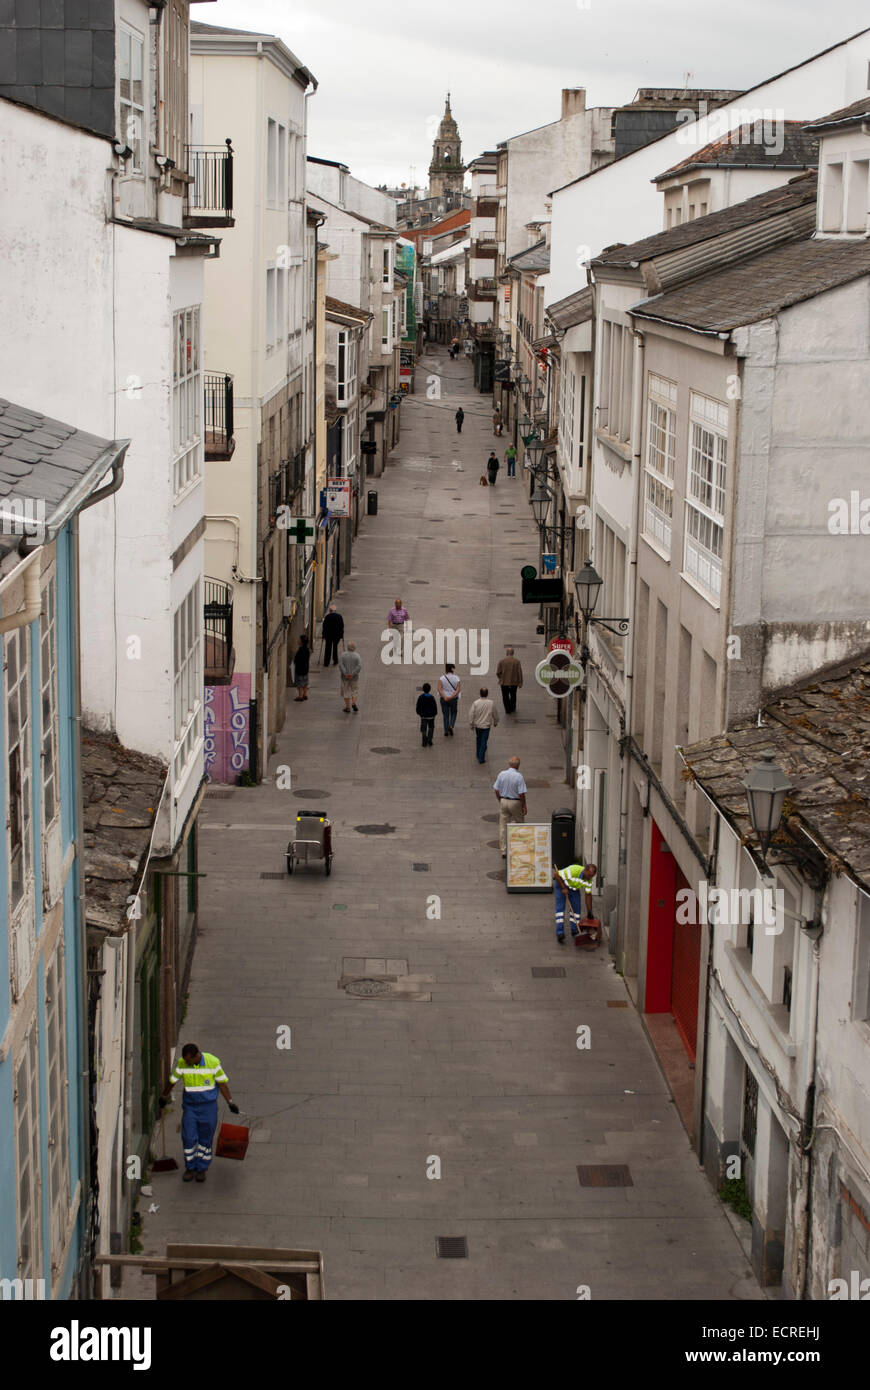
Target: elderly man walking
{"x":333,"y":631}
{"x":350,"y":665}
{"x":483,"y":715}
{"x":509,"y":674}
{"x":510,"y":793}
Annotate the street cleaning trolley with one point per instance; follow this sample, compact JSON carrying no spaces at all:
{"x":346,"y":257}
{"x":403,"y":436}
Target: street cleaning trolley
{"x":312,"y":840}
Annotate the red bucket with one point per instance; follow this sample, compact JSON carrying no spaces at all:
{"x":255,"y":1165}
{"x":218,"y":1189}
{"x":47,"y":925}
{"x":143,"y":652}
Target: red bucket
{"x":233,"y":1141}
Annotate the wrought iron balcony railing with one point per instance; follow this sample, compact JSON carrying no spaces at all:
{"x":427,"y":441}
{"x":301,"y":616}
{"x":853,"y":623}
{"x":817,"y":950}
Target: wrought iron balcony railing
{"x":218,"y":415}
{"x":210,"y":192}
{"x":220,"y":657}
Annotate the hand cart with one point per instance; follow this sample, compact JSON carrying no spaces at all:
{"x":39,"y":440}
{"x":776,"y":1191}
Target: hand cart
{"x":312,"y":840}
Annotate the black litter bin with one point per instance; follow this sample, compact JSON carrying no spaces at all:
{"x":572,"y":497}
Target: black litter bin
{"x":372,"y":503}
{"x":563,"y":825}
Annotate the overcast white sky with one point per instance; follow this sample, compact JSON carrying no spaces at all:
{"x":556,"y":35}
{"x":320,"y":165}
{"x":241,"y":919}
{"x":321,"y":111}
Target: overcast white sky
{"x":383,"y":68}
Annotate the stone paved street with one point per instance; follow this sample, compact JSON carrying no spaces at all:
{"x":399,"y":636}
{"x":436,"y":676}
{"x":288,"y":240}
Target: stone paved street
{"x":472,"y":1059}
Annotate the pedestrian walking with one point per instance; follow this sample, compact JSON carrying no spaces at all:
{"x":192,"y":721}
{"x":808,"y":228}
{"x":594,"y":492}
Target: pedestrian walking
{"x":333,"y":632}
{"x":510,"y":793}
{"x":482,"y":717}
{"x":449,"y":686}
{"x":568,"y":884}
{"x":350,"y":665}
{"x":427,"y":709}
{"x":496,"y":421}
{"x":301,"y":662}
{"x":398,"y":615}
{"x":492,"y":467}
{"x":459,"y":417}
{"x":510,"y":458}
{"x":509,"y":674}
{"x":203,"y":1077}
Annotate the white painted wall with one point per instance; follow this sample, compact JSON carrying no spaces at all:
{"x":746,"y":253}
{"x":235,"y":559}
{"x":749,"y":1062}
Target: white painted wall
{"x":619,"y":203}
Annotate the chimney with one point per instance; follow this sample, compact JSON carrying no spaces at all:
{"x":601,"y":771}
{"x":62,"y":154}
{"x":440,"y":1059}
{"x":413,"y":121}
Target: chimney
{"x":573,"y":101}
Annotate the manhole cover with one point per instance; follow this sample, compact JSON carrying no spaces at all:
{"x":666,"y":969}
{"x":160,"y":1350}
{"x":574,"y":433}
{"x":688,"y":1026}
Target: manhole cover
{"x":421,"y":868}
{"x":273,"y":875}
{"x":496,"y":874}
{"x":311,"y":791}
{"x":490,"y":818}
{"x":339,"y":907}
{"x":375,"y":829}
{"x":217,"y":796}
{"x":548,"y":972}
{"x":604,"y":1175}
{"x":418,"y":581}
{"x":451,"y":1247}
{"x":368,"y":989}
{"x":385,"y":750}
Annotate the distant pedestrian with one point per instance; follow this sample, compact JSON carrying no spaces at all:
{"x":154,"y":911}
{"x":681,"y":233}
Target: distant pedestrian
{"x":492,"y":467}
{"x":459,"y":417}
{"x":568,"y":883}
{"x":333,"y":631}
{"x":510,"y":793}
{"x":496,"y":421}
{"x":350,"y":665}
{"x":510,"y":458}
{"x":301,"y":662}
{"x":449,"y":686}
{"x":509,"y":674}
{"x":482,"y":717}
{"x":427,"y":709}
{"x":398,"y":615}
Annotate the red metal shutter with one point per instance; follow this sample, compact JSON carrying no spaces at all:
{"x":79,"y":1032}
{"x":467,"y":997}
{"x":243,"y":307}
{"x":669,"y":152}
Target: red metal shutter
{"x":685,"y":973}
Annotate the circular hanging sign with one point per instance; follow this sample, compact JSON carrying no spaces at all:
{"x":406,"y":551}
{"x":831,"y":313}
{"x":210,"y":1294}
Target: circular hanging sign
{"x":528,"y":572}
{"x":558,"y":674}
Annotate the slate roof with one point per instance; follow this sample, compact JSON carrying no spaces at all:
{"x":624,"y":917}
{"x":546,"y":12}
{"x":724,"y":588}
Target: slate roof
{"x":44,"y":460}
{"x":573,"y":309}
{"x":847,"y":115}
{"x":758,"y":288}
{"x":121,"y":790}
{"x":800,"y":150}
{"x":820,"y":733}
{"x":535,"y":258}
{"x":787,"y":198}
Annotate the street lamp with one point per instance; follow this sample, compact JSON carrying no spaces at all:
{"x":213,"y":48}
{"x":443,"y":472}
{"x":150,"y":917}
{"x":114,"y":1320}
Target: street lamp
{"x":540,"y":499}
{"x":587,"y":586}
{"x":766,"y":789}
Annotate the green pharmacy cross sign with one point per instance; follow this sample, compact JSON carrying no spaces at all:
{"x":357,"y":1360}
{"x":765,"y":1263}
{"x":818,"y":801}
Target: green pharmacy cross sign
{"x":300,"y":529}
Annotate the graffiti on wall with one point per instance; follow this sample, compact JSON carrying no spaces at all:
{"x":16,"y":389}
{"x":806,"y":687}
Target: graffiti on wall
{"x":227,"y":729}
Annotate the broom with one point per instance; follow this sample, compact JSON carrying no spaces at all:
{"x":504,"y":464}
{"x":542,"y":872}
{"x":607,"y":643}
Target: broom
{"x":164,"y":1164}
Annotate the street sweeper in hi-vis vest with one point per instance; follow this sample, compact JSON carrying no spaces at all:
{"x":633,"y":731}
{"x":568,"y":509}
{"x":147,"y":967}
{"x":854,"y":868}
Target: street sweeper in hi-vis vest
{"x":203,"y":1077}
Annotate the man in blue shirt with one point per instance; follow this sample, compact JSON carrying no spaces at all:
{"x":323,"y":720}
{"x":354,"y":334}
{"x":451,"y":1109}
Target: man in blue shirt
{"x":510,"y":791}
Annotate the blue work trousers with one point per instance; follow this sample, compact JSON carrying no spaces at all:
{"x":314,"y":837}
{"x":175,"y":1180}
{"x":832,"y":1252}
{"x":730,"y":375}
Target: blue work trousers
{"x":199,"y":1115}
{"x":573,"y":896}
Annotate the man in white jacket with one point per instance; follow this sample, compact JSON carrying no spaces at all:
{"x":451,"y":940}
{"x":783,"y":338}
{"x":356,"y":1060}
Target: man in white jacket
{"x":483,"y":715}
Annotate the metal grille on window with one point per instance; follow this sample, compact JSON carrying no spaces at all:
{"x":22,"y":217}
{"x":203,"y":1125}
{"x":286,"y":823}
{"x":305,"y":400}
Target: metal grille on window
{"x":750,"y":1113}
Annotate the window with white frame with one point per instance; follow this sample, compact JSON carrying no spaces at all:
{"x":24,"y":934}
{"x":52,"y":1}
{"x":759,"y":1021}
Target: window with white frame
{"x":131,"y":116}
{"x":26,"y":1101}
{"x":276,"y":163}
{"x":48,"y":682}
{"x":387,"y":264}
{"x":187,"y":442}
{"x":276,"y":306}
{"x":658,"y":511}
{"x":19,"y":814}
{"x":385,"y":329}
{"x":346,"y":368}
{"x":566,"y":414}
{"x":187,"y":666}
{"x":705,"y":492}
{"x":615,"y":380}
{"x":56,"y":1085}
{"x":351,"y":433}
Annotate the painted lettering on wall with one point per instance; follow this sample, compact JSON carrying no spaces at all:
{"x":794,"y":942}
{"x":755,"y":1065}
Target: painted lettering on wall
{"x":227,"y":729}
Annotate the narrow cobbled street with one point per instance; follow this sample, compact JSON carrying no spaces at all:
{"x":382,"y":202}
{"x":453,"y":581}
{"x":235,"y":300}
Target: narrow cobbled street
{"x":472,"y":1058}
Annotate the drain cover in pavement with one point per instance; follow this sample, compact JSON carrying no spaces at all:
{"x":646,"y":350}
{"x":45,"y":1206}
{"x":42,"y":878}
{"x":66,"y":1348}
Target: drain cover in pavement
{"x":493,"y":817}
{"x":548,"y":972}
{"x":497,"y":874}
{"x":421,"y":868}
{"x":385,"y":750}
{"x":311,"y":792}
{"x":273,"y":875}
{"x":492,"y":844}
{"x":375,"y":829}
{"x":418,"y":581}
{"x":217,"y":796}
{"x":368,"y":989}
{"x":605,"y":1175}
{"x":451,"y":1247}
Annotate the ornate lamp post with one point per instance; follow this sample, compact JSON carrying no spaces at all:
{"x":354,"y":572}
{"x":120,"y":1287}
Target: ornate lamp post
{"x":587,"y":586}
